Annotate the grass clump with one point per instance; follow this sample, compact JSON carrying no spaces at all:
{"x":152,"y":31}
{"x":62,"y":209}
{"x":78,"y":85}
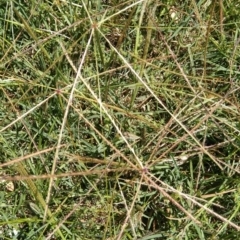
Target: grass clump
{"x":119,"y":120}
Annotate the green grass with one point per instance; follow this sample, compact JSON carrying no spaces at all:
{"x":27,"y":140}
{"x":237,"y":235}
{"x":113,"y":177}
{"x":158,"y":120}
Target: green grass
{"x":119,"y":120}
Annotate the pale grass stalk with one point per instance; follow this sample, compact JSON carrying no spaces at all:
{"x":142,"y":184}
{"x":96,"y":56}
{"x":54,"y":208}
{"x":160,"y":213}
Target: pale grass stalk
{"x":27,"y":130}
{"x":210,"y":211}
{"x":160,"y":135}
{"x":42,"y":41}
{"x":67,"y":174}
{"x":236,"y":212}
{"x":75,"y":208}
{"x":19,"y":159}
{"x":119,"y":153}
{"x":26,"y":113}
{"x":105,"y":110}
{"x":86,"y":9}
{"x":160,"y":102}
{"x":203,"y":150}
{"x":70,"y":2}
{"x":68,"y":58}
{"x":112,"y":120}
{"x":63,"y":125}
{"x":110,"y":117}
{"x":177,"y":63}
{"x":153,"y":184}
{"x":163,"y":191}
{"x":129,"y":211}
{"x":193,"y":90}
{"x":122,"y":10}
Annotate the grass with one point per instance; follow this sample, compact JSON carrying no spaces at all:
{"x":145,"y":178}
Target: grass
{"x":119,"y":120}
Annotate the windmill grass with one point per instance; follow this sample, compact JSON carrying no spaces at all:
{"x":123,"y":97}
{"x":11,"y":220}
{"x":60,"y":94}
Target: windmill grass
{"x":119,"y":120}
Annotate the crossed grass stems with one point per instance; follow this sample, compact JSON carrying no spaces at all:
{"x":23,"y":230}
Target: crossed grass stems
{"x":134,"y":163}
